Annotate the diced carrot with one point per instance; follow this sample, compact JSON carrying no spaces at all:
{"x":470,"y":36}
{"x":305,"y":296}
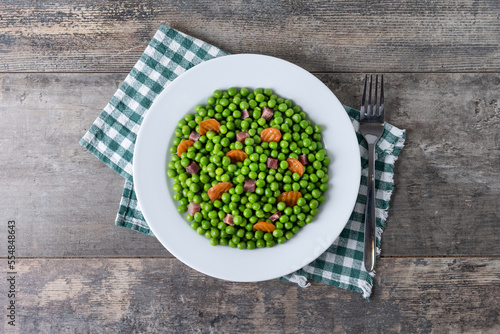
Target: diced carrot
{"x":295,"y":166}
{"x":264,"y":226}
{"x":270,"y":134}
{"x":209,"y":125}
{"x":237,"y":155}
{"x":183,"y":146}
{"x":216,"y":191}
{"x":289,"y":197}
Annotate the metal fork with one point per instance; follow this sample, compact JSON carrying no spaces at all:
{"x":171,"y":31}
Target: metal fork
{"x":371,"y":127}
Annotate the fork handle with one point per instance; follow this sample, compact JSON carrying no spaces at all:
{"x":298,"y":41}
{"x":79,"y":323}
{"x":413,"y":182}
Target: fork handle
{"x":369,"y":253}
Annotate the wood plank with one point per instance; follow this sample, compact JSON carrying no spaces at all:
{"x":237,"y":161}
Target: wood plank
{"x":65,"y":201}
{"x":323,"y":36}
{"x":411,"y":295}
{"x":446,"y":183}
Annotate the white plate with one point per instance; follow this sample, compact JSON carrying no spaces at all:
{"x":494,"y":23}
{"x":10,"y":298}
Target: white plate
{"x":154,"y":188}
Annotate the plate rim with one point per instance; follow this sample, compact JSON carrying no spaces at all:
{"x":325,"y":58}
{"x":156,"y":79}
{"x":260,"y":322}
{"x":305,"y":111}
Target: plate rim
{"x":138,"y":148}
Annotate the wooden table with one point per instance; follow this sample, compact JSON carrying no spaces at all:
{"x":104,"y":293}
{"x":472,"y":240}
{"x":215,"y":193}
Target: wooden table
{"x":439,"y":272}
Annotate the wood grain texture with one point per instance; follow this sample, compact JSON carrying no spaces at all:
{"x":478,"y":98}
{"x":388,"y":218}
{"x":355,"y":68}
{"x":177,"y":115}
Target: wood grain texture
{"x":65,"y":200}
{"x":78,"y":273}
{"x":324,"y":36}
{"x":446,"y":181}
{"x":412,"y":295}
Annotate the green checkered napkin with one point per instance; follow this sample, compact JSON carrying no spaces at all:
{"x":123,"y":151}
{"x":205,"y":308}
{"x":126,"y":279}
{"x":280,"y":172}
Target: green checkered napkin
{"x":112,"y":136}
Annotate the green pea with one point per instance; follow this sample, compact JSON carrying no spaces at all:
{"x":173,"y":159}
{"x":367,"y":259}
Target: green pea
{"x":240,"y":178}
{"x":252,"y":175}
{"x":281,"y":206}
{"x":171,"y":173}
{"x":270,"y":243}
{"x":259,"y":97}
{"x":226,"y":161}
{"x":238,"y":220}
{"x":284,"y":219}
{"x":268,"y":237}
{"x":260,"y":183}
{"x":254,"y":156}
{"x":230,"y":230}
{"x":277,"y":233}
{"x":321,"y":199}
{"x":317,"y":164}
{"x":239,"y":188}
{"x":194,"y":187}
{"x":267,"y":207}
{"x":320,"y":156}
{"x":244,"y":105}
{"x":247,"y":213}
{"x":240,"y":233}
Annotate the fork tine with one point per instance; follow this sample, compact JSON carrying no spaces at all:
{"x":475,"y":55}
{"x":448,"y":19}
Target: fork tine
{"x":369,"y":112}
{"x":362,"y":109}
{"x":375,"y":102}
{"x":382,"y":96}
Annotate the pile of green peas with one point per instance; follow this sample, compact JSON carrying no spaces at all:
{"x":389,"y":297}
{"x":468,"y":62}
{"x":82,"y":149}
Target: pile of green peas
{"x":299,"y":137}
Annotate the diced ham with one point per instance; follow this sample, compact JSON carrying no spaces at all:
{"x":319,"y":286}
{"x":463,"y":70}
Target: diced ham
{"x":275,"y":216}
{"x":241,"y":136}
{"x":272,"y":163}
{"x":249,"y":185}
{"x":303,"y":159}
{"x":267,"y":113}
{"x":194,"y":136}
{"x":228,"y":219}
{"x":192,"y":168}
{"x":245,"y":114}
{"x":193,"y":208}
